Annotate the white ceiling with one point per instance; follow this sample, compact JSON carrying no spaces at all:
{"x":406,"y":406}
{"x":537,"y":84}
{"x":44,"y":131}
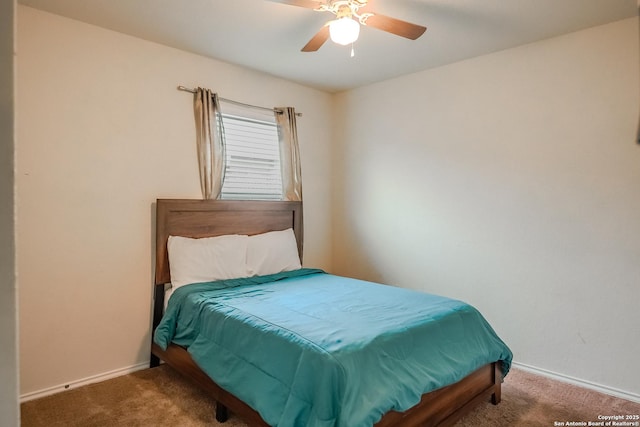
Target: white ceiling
{"x":268,"y":36}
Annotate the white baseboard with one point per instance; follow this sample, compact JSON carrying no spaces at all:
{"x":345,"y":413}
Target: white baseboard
{"x":532,"y":369}
{"x":85,"y":381}
{"x":579,"y":382}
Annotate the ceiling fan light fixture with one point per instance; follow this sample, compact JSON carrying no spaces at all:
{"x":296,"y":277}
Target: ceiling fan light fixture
{"x":344,"y":31}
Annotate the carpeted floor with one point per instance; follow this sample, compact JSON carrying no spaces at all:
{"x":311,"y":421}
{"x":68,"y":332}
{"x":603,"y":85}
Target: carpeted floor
{"x":160,"y":397}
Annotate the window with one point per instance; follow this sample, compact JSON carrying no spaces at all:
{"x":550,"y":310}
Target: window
{"x":252,"y":154}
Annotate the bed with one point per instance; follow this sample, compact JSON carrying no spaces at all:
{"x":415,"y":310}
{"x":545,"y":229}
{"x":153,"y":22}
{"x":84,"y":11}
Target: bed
{"x":198,"y":219}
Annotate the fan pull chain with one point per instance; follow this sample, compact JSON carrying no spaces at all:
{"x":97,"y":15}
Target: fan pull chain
{"x":353,"y":53}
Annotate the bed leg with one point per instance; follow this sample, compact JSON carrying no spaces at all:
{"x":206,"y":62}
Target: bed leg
{"x":496,"y":397}
{"x":154,"y":361}
{"x":158,"y":306}
{"x":222,"y":414}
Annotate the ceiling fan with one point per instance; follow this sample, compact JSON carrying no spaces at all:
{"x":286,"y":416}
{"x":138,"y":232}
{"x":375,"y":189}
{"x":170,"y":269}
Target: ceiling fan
{"x":345,"y":28}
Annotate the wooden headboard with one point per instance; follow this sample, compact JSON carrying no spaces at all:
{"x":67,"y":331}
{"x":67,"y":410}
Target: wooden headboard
{"x":209,"y":218}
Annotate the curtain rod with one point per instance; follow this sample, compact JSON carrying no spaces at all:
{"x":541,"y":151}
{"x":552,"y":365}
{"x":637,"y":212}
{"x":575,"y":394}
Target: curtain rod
{"x":277,"y":110}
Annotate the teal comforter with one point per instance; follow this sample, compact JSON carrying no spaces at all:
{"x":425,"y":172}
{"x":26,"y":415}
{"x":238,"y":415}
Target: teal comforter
{"x":305,"y":348}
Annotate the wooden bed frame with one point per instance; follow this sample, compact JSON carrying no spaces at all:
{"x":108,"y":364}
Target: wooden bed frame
{"x":207,"y":218}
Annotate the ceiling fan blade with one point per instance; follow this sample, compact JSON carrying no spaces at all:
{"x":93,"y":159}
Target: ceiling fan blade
{"x":395,"y":26}
{"x":318,"y":40}
{"x":309,"y":4}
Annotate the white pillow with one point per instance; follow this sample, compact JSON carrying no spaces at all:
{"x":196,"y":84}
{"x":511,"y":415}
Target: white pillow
{"x":272,"y":252}
{"x":206,"y":259}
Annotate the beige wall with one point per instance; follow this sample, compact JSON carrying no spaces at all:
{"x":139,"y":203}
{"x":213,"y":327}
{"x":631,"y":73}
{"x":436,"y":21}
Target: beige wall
{"x":511,"y":181}
{"x":103,"y":132}
{"x":9,"y":414}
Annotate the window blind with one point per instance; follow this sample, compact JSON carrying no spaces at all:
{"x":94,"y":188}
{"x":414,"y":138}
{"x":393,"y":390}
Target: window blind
{"x":252,"y":157}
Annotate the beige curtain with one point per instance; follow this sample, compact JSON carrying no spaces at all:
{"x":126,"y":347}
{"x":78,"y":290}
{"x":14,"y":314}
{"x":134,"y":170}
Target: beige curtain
{"x":289,"y":153}
{"x":210,"y":142}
